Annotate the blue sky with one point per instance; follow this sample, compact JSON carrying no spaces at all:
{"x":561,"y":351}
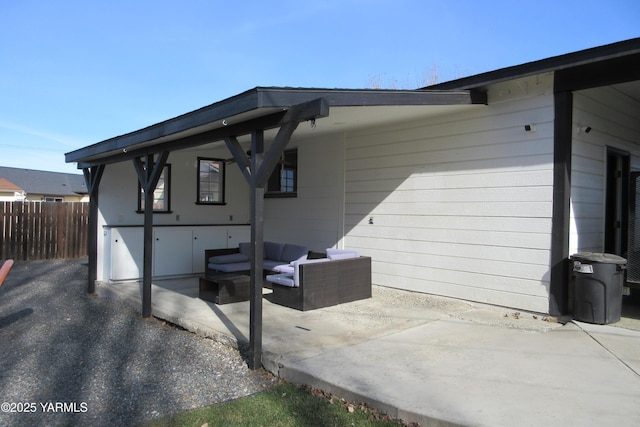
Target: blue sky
{"x":73,"y":73}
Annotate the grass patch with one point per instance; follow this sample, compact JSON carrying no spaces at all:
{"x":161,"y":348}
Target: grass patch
{"x":283,"y":406}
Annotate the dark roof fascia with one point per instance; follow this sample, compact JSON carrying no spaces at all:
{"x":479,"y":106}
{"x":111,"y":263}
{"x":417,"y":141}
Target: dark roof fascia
{"x":596,"y":74}
{"x":628,"y":48}
{"x":286,"y":97}
{"x":211,"y":113}
{"x":267,"y":100}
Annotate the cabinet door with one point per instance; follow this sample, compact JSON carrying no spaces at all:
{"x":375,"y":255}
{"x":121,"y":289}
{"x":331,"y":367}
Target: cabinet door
{"x":237,"y":235}
{"x":127,"y":253}
{"x":172,"y":251}
{"x":206,"y":238}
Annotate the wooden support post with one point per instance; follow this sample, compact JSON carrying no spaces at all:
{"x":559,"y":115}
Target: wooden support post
{"x":562,"y":140}
{"x":92,"y":177}
{"x":257,"y":253}
{"x":257,"y":171}
{"x":147,"y":270}
{"x":148,"y":174}
{"x":241,"y":158}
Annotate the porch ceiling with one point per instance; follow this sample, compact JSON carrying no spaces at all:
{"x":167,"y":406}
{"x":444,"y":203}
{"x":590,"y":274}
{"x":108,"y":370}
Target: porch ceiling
{"x":263,"y":108}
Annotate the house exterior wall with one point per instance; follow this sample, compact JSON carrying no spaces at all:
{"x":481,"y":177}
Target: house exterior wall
{"x":315,"y":217}
{"x":12,"y":196}
{"x":615,"y":122}
{"x":119,"y":193}
{"x":459,"y":205}
{"x":119,"y":199}
{"x":66,"y":198}
{"x":19,"y":196}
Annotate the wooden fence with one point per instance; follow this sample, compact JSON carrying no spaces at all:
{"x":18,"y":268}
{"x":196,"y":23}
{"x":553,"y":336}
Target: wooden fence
{"x":43,"y":230}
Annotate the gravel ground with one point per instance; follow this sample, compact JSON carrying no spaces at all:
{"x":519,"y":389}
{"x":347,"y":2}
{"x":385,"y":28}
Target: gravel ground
{"x":69,"y":358}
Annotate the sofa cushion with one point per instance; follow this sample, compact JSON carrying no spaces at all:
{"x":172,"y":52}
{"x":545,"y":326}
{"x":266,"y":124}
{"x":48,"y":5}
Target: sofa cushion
{"x":273,"y":250}
{"x":292,"y":252}
{"x":316,"y":255}
{"x":270,"y":264}
{"x":350,"y":255}
{"x":230,"y":267}
{"x":282,"y":279}
{"x":293,"y":280}
{"x":283,"y":268}
{"x":277,"y":266}
{"x":227,"y":259}
{"x":245,"y":249}
{"x":302,"y":258}
{"x":335,"y":254}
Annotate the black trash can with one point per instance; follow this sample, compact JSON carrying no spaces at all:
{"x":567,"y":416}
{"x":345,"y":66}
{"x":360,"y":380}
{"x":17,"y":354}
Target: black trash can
{"x":597,"y":282}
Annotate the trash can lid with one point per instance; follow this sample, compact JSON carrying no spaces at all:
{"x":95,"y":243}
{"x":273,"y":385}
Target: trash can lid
{"x":598,"y":257}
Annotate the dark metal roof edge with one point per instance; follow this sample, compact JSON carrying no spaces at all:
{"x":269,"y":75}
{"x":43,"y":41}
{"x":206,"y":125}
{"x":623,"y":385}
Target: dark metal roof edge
{"x":270,"y":98}
{"x":286,"y":96}
{"x":201,"y":116}
{"x":554,"y":63}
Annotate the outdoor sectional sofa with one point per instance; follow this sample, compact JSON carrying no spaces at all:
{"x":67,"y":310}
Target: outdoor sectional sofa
{"x":303,"y":280}
{"x":235,"y":260}
{"x":340,"y":277}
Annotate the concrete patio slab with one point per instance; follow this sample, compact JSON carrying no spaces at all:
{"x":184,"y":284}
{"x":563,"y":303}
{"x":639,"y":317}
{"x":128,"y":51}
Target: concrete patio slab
{"x":432,"y":360}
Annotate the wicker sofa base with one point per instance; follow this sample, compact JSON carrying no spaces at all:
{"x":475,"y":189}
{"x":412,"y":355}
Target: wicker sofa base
{"x":326,"y":284}
{"x":224,"y":288}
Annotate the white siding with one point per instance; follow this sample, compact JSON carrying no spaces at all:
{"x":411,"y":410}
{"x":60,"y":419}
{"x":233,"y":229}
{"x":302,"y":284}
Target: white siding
{"x":314,"y":218}
{"x":459,"y":205}
{"x":119,"y":193}
{"x":119,"y":198}
{"x":613,"y":118}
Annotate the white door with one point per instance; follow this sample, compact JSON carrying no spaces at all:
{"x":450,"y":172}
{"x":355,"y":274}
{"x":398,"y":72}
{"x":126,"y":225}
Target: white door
{"x":237,"y":235}
{"x":172,"y":251}
{"x":206,"y":238}
{"x":127,"y":253}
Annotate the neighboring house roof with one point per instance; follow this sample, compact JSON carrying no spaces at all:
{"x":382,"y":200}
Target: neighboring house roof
{"x":44,"y":182}
{"x":8,"y":186}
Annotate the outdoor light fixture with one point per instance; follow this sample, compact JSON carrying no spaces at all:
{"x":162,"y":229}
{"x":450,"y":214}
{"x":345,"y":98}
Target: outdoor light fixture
{"x":585,"y":129}
{"x":529,"y":128}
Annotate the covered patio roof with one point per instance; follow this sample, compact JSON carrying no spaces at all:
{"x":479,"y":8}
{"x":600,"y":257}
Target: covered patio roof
{"x":263,"y":108}
{"x":250,"y":114}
